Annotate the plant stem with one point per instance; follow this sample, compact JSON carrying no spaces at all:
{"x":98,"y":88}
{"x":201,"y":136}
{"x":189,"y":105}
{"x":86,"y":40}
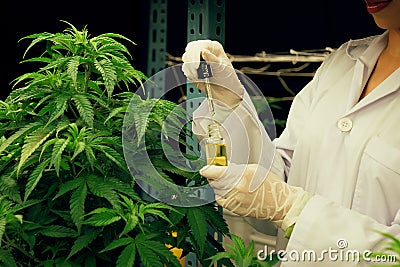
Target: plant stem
{"x":87,"y":77}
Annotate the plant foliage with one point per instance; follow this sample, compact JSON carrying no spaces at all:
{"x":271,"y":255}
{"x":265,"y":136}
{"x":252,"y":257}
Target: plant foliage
{"x":67,"y":195}
{"x":242,"y":255}
{"x":390,"y":255}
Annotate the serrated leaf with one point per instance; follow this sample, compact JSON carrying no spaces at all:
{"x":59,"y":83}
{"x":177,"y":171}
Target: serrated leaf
{"x":46,"y":145}
{"x":61,"y":105}
{"x":198,"y":226}
{"x":83,"y":241}
{"x":26,"y":204}
{"x":118,"y":243}
{"x":30,"y":127}
{"x":249,"y":251}
{"x":160,"y":214}
{"x":34,"y":178}
{"x":84,"y":108}
{"x":96,"y":99}
{"x":77,"y":205}
{"x":127,"y":256}
{"x":168,"y":166}
{"x":103,"y":218}
{"x":219,"y":256}
{"x":215,"y":218}
{"x":128,"y":203}
{"x":43,"y":100}
{"x":90,"y":156}
{"x":107,"y":70}
{"x":234,"y":250}
{"x":57,"y":231}
{"x":155,"y":209}
{"x":392,"y":237}
{"x":72,"y":69}
{"x":98,"y":210}
{"x":69,"y":186}
{"x":114,"y":112}
{"x":102,"y":189}
{"x":238,"y":243}
{"x":130,"y":224}
{"x":2,"y":227}
{"x":79,"y":148}
{"x":124,"y":188}
{"x":140,"y":115}
{"x":148,"y":257}
{"x":176,"y":217}
{"x":161,"y":250}
{"x":38,"y":38}
{"x":56,"y":155}
{"x":32,"y":142}
{"x":113,"y":155}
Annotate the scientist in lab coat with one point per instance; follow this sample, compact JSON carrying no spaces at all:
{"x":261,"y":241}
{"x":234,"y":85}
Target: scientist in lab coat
{"x":331,"y":181}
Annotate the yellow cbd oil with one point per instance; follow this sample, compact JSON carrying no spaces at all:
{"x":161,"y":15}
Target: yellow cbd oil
{"x":215,"y":146}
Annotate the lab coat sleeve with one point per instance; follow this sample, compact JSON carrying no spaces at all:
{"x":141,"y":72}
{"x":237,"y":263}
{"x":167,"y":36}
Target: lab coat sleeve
{"x":286,"y":142}
{"x":324,"y":226}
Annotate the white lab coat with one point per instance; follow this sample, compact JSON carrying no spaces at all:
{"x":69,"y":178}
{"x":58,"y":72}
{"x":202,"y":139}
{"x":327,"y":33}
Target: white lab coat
{"x":345,"y":152}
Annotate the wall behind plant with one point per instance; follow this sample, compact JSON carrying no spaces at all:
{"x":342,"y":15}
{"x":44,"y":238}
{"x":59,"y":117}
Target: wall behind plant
{"x":251,"y":26}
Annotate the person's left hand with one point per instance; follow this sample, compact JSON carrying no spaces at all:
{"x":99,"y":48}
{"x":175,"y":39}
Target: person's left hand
{"x":272,"y":200}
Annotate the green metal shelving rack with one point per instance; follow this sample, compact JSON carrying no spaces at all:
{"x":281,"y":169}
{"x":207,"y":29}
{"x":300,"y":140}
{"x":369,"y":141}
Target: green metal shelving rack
{"x":157,"y":45}
{"x":206,"y":20}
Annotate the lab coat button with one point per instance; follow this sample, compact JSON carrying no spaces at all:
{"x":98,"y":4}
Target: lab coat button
{"x":345,"y":124}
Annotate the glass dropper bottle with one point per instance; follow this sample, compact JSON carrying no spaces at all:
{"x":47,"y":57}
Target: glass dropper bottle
{"x":215,"y":146}
{"x":215,"y":143}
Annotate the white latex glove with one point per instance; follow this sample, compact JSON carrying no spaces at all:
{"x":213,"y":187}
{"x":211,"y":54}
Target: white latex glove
{"x":273,"y":200}
{"x":225,"y":84}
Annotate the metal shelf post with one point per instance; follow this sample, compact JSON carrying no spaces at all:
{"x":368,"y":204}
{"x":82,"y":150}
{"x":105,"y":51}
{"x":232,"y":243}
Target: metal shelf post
{"x":157,"y":43}
{"x":206,"y":20}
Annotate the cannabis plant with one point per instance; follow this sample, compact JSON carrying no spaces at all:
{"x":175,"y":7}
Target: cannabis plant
{"x":67,"y":195}
{"x":242,"y":255}
{"x":390,"y":255}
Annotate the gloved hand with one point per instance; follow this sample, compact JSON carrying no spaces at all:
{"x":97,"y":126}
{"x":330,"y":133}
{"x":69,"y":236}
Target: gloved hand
{"x":272,"y":200}
{"x":225,"y":84}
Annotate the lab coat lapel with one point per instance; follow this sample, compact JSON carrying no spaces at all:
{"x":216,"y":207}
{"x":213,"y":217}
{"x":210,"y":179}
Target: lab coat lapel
{"x":363,"y":68}
{"x":360,"y":71}
{"x":388,"y":86}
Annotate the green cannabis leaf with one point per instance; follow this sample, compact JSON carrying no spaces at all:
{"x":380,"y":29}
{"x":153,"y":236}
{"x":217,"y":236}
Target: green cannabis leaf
{"x":63,"y":169}
{"x":241,"y":255}
{"x":391,"y":252}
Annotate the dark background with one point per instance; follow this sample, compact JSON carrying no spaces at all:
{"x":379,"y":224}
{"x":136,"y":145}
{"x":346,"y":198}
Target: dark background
{"x":251,"y":26}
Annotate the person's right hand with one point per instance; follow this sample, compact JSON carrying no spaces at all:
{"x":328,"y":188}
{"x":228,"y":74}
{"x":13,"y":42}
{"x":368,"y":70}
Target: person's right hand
{"x":225,"y":84}
{"x":254,"y":191}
